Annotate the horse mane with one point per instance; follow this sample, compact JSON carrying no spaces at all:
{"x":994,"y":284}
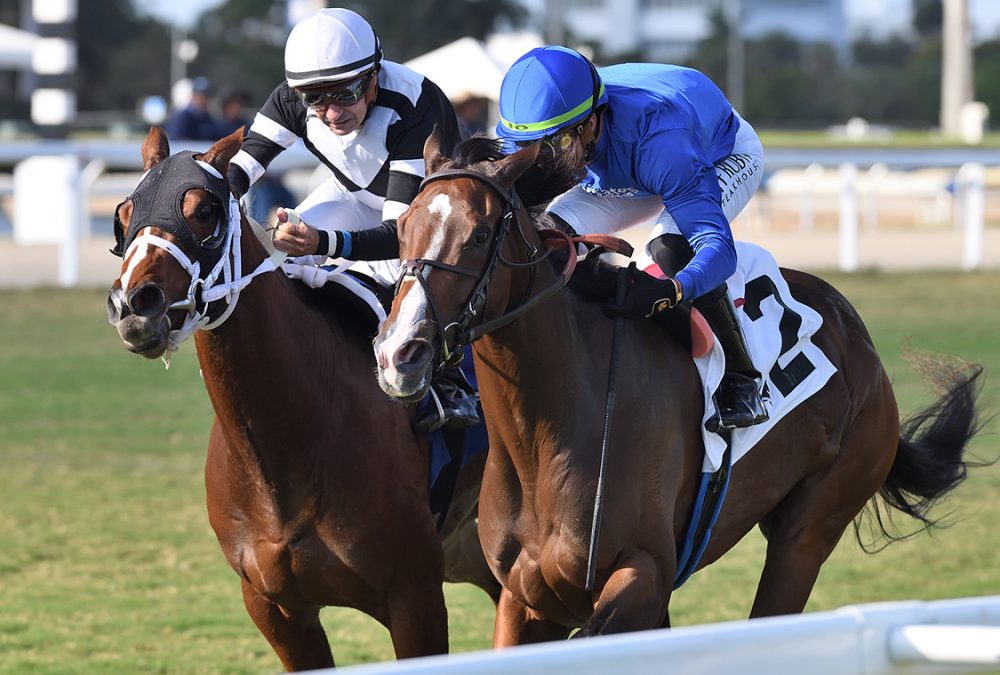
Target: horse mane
{"x":548,"y":178}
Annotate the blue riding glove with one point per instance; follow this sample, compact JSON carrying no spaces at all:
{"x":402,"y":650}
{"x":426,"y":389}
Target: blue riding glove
{"x":646,"y":296}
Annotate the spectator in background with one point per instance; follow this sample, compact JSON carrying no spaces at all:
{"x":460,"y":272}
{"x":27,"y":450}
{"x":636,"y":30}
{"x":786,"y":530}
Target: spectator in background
{"x":194,"y":122}
{"x":473,"y":114}
{"x":234,"y":106}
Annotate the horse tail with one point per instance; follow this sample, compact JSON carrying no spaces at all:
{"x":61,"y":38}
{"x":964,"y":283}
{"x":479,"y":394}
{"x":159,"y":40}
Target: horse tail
{"x":930,"y":456}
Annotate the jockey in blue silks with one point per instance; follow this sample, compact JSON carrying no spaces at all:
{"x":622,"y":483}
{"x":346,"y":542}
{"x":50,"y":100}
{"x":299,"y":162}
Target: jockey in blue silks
{"x":658,"y":142}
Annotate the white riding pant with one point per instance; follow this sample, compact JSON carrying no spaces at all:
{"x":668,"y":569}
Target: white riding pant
{"x":739,"y":177}
{"x":330,"y":207}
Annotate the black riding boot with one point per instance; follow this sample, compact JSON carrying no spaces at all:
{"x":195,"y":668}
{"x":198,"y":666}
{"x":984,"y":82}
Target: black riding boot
{"x":738,"y":399}
{"x":451,"y":404}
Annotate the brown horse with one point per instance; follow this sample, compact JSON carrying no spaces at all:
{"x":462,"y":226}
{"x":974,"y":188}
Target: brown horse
{"x":471,"y":255}
{"x":317,"y":487}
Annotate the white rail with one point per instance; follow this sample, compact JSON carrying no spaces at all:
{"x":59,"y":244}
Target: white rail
{"x":945,"y":636}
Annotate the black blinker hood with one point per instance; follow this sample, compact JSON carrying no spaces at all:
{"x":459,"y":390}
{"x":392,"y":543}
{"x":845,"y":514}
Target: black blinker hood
{"x":159,"y":199}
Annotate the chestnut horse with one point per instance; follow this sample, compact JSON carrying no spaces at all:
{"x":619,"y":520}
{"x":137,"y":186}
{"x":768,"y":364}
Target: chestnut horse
{"x":317,"y":487}
{"x":470,"y":251}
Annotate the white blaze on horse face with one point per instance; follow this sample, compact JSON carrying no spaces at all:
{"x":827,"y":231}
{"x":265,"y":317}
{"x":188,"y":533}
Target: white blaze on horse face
{"x":441,"y":207}
{"x":139,"y":250}
{"x":414,"y":307}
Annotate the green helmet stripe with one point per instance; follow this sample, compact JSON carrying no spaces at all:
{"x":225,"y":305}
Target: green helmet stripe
{"x":555,"y":121}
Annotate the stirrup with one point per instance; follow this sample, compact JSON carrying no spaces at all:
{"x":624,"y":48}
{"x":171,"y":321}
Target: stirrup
{"x":431,"y":419}
{"x":428,"y":421}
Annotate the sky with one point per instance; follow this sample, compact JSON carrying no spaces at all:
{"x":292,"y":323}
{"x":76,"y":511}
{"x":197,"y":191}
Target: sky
{"x":985,"y":13}
{"x":182,"y":13}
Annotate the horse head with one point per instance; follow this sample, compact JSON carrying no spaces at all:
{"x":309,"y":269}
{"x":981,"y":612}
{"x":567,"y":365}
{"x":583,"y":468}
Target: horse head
{"x":451,"y":240}
{"x":174,"y":235}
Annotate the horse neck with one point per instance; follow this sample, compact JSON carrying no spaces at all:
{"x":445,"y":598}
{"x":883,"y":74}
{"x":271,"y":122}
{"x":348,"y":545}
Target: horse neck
{"x":271,"y":365}
{"x":529,"y":373}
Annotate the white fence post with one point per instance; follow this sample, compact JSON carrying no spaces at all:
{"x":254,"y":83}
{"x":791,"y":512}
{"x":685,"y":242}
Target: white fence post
{"x":78,"y":225}
{"x":848,"y":234}
{"x":807,"y":201}
{"x":971,"y":179}
{"x":874,"y":177}
{"x":85,"y":187}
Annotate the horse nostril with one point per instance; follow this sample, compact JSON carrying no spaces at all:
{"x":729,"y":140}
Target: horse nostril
{"x":414,"y":351}
{"x":147,"y":300}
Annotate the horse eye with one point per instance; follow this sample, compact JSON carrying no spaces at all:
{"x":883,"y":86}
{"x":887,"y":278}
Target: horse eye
{"x":480,"y":236}
{"x":206,"y":214}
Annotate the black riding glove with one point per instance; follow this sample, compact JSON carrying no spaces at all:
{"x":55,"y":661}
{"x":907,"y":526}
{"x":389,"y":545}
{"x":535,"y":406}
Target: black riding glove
{"x":646,"y":296}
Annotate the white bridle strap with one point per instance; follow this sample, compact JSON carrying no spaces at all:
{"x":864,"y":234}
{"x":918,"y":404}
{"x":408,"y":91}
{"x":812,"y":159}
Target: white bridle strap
{"x":212,"y":290}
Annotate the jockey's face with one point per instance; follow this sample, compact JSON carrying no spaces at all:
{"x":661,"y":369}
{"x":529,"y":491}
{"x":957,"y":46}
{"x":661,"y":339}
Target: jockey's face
{"x":572,"y":142}
{"x":341,"y":107}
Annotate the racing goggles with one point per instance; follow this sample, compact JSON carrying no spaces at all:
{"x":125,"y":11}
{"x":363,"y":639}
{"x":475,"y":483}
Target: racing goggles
{"x":342,"y":96}
{"x":559,"y":141}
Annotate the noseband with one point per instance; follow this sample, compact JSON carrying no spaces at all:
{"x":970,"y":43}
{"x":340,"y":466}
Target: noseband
{"x":459,"y":332}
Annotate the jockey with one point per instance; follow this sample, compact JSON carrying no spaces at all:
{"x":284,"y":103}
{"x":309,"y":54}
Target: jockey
{"x":658,"y":142}
{"x":366,"y":119}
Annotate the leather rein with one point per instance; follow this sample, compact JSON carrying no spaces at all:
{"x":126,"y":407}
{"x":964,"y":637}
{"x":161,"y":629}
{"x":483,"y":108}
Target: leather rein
{"x":460,"y":332}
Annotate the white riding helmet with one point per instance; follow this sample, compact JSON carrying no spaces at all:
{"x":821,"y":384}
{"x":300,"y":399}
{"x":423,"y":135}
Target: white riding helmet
{"x":330,"y":45}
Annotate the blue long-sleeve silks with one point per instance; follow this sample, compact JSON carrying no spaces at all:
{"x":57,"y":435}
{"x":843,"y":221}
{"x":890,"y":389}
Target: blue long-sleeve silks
{"x":664,"y":129}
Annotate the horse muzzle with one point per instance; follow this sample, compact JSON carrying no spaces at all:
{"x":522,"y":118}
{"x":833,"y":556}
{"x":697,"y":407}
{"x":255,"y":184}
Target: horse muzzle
{"x":405,"y":365}
{"x":140,"y":317}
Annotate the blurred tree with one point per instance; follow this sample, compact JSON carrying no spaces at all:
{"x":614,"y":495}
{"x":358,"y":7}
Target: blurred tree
{"x":241,"y":46}
{"x":788,"y":83}
{"x":710,"y":55}
{"x":10,"y":13}
{"x":928,"y":17}
{"x":877,"y":90}
{"x":121,"y":57}
{"x":892,"y":81}
{"x":241,"y":43}
{"x":987,"y":73}
{"x":418,"y":26}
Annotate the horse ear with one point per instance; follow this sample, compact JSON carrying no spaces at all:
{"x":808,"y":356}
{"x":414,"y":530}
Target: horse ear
{"x":434,"y":159}
{"x":155,"y":148}
{"x":224,"y":150}
{"x":510,"y":168}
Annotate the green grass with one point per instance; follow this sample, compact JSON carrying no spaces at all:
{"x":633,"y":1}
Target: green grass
{"x":107,"y":562}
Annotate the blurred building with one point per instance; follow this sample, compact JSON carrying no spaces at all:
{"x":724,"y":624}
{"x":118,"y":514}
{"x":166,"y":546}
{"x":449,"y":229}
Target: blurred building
{"x":669,"y":30}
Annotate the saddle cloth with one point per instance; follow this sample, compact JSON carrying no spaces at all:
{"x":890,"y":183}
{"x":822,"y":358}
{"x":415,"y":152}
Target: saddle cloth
{"x":778,"y":329}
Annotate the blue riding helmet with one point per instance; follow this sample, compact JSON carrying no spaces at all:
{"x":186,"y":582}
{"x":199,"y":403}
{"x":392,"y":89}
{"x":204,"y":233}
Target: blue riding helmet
{"x":545,"y":90}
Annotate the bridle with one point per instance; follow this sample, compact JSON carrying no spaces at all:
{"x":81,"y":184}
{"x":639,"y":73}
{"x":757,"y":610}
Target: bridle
{"x":459,"y":332}
{"x":221,"y":281}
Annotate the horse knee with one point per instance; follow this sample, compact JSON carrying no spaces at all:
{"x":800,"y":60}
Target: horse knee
{"x":635,"y":597}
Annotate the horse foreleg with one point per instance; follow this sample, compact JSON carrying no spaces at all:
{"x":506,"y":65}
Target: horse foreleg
{"x":418,"y":620}
{"x":300,"y":643}
{"x":517,"y":624}
{"x":633,"y":598}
